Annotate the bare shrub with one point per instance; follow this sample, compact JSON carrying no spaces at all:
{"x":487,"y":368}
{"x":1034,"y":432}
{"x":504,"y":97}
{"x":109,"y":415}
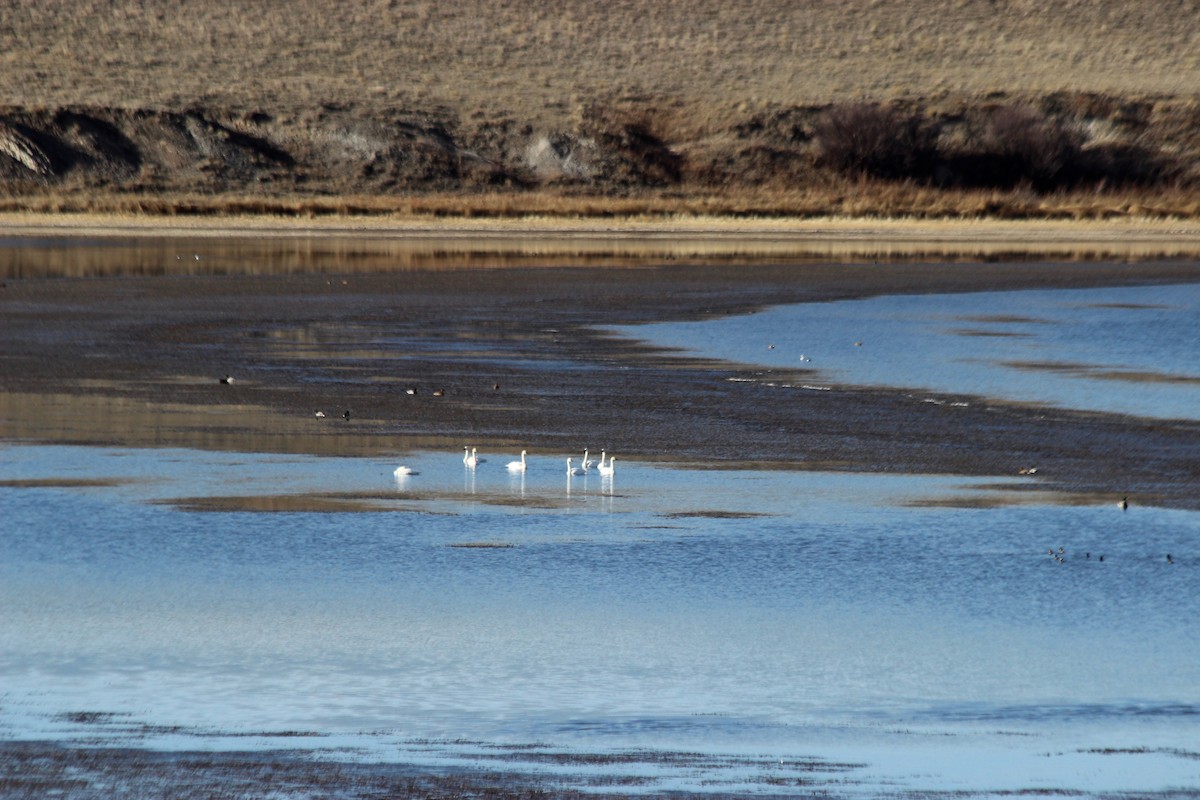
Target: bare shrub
{"x":867,"y":138}
{"x":1030,"y":147}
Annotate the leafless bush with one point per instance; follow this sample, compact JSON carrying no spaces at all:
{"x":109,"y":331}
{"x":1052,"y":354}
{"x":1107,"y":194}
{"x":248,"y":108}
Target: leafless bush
{"x":1031,"y":147}
{"x":871,"y":139}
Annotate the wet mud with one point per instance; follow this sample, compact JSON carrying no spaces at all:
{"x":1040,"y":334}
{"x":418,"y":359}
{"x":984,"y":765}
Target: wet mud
{"x":518,"y":358}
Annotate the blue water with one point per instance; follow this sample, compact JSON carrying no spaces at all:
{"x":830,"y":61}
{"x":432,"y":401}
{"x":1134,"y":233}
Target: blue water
{"x":1127,"y":350}
{"x":769,"y":615}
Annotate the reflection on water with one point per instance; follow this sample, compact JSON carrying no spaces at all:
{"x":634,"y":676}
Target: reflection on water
{"x":1130,"y":350}
{"x":276,"y":253}
{"x":98,"y":418}
{"x":839,"y":618}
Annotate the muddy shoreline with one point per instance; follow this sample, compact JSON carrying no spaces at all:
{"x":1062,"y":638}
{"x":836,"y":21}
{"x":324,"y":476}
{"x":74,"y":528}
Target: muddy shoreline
{"x":505,"y":357}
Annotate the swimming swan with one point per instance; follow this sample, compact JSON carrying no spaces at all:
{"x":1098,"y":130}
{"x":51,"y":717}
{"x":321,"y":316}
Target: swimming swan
{"x":607,"y":469}
{"x":574,"y":470}
{"x":402,"y":472}
{"x":518,"y":466}
{"x":472,"y":460}
{"x":586,"y":462}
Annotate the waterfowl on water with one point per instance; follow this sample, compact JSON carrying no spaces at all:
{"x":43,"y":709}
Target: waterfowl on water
{"x":517,"y":466}
{"x":572,"y":470}
{"x":586,"y":462}
{"x":472,"y":460}
{"x":402,"y":471}
{"x":607,"y":469}
{"x":1124,"y":504}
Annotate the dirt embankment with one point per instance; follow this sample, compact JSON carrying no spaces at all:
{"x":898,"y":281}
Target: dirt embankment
{"x":1019,"y":150}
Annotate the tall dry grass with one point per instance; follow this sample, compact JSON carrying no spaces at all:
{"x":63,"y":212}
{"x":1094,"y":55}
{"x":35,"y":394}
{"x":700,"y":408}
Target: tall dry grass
{"x":863,"y":198}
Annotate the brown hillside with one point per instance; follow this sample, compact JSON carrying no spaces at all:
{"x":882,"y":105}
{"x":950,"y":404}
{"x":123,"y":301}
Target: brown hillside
{"x":381,"y":98}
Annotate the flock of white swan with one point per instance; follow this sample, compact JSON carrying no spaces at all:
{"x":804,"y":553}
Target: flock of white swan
{"x":471,"y":460}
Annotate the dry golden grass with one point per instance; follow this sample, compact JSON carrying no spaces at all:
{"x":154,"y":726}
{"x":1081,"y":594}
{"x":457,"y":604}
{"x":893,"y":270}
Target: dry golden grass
{"x":850,"y":199}
{"x":704,"y":61}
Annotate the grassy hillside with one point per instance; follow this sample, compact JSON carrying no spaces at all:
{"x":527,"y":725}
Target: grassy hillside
{"x":378,"y":98}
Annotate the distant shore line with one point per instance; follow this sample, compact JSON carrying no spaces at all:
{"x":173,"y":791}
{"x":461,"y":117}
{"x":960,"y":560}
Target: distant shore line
{"x":147,"y":244}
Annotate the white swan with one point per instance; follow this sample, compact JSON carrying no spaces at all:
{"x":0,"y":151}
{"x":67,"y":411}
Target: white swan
{"x":573,"y":470}
{"x":607,"y":469}
{"x":403,"y":471}
{"x":586,"y":462}
{"x":600,"y":466}
{"x":466,"y":453}
{"x":517,"y":466}
{"x":471,"y":460}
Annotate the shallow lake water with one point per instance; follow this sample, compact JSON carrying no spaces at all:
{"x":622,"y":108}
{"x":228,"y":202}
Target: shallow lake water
{"x":858,"y":632}
{"x":1126,"y":350}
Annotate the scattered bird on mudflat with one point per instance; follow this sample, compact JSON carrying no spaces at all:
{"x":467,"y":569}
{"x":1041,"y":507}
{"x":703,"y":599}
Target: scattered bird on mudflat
{"x":227,"y":380}
{"x":517,"y":466}
{"x":439,"y":392}
{"x":573,"y":470}
{"x":410,"y":390}
{"x":346,"y":415}
{"x":607,"y":469}
{"x":319,"y":415}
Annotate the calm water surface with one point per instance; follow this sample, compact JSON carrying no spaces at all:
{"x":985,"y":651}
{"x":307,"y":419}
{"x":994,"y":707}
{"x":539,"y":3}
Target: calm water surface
{"x":770,"y":616}
{"x":1128,"y":350}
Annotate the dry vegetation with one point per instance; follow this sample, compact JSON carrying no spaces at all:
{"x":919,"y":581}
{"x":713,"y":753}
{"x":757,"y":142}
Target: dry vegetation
{"x":982,"y":107}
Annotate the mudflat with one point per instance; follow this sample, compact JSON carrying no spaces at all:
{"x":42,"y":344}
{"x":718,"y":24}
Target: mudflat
{"x":234,"y":355}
